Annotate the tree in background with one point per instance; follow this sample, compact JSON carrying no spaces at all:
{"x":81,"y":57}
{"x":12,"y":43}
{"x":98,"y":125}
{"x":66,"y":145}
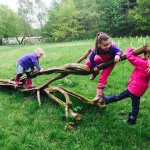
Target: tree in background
{"x":88,"y":17}
{"x":25,"y":12}
{"x":141,"y":17}
{"x":75,"y":19}
{"x":62,"y":23}
{"x":7,"y":22}
{"x":41,"y":13}
{"x":114,"y":16}
{"x":22,"y":29}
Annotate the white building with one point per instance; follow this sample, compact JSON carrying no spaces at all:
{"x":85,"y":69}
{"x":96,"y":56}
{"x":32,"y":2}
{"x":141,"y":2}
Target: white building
{"x":13,"y":40}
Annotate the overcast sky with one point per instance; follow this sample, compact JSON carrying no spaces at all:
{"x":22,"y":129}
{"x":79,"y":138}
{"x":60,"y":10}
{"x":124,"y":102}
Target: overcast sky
{"x":13,"y":3}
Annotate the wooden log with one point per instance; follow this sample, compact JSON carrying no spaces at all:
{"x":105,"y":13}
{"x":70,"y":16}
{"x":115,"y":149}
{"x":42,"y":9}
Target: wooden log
{"x":83,"y":99}
{"x":36,"y":73}
{"x":78,"y":96}
{"x":57,"y":100}
{"x":8,"y":83}
{"x":38,"y":97}
{"x":60,"y":76}
{"x":5,"y":80}
{"x":21,"y":89}
{"x":62,"y":91}
{"x":84,"y":56}
{"x":68,"y":101}
{"x":63,"y":104}
{"x":74,"y":115}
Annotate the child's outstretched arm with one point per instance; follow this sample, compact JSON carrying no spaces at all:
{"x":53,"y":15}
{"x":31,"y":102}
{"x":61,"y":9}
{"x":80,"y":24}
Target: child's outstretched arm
{"x":117,"y":52}
{"x":36,"y":64}
{"x":136,"y":61}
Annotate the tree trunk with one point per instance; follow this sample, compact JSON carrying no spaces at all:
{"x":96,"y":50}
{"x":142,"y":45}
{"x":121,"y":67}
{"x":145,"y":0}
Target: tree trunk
{"x":20,"y":42}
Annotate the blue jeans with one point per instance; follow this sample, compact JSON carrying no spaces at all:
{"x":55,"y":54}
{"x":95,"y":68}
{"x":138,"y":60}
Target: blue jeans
{"x":20,"y":70}
{"x":125,"y":94}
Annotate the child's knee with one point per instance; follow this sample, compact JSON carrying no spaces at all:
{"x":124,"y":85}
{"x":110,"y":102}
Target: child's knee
{"x":98,"y":59}
{"x":19,"y":69}
{"x":88,"y":63}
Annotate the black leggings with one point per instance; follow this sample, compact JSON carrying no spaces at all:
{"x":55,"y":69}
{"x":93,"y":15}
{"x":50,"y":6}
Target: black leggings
{"x":123,"y":95}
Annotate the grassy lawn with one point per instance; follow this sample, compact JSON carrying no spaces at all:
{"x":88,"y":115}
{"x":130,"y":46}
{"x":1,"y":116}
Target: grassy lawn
{"x":23,"y":125}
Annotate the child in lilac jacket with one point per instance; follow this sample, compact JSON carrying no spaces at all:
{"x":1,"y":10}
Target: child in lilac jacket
{"x":138,"y":83}
{"x":104,"y":51}
{"x":26,"y":64}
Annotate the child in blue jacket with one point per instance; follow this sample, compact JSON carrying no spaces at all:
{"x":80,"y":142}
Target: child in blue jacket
{"x":26,"y":64}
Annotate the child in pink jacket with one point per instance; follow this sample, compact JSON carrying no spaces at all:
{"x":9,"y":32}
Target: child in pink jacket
{"x":138,"y":83}
{"x":104,"y":51}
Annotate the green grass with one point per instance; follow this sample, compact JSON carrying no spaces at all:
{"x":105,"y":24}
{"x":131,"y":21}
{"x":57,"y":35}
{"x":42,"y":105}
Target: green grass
{"x":24,"y":125}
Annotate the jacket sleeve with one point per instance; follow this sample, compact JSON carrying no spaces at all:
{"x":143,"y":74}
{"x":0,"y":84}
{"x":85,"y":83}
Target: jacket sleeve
{"x":36,"y":63}
{"x":116,"y":50}
{"x":136,"y":61}
{"x":92,"y":55}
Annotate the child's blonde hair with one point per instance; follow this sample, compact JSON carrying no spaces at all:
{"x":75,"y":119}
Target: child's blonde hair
{"x":39,"y":49}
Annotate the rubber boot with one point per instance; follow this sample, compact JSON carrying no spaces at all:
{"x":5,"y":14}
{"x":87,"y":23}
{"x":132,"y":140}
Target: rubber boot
{"x":29,"y":84}
{"x":17,"y":79}
{"x":99,"y":95}
{"x":132,"y":119}
{"x":99,"y":98}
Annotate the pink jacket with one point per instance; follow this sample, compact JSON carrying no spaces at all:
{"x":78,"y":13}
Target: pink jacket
{"x":139,"y":79}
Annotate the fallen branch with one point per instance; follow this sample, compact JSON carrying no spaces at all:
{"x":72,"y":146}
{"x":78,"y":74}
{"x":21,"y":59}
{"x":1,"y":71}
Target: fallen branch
{"x":38,"y":97}
{"x":84,"y":56}
{"x":68,"y":111}
{"x":8,"y":83}
{"x":78,"y":96}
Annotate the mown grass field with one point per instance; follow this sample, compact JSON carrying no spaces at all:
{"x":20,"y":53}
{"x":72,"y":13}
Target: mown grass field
{"x":25,"y":126}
